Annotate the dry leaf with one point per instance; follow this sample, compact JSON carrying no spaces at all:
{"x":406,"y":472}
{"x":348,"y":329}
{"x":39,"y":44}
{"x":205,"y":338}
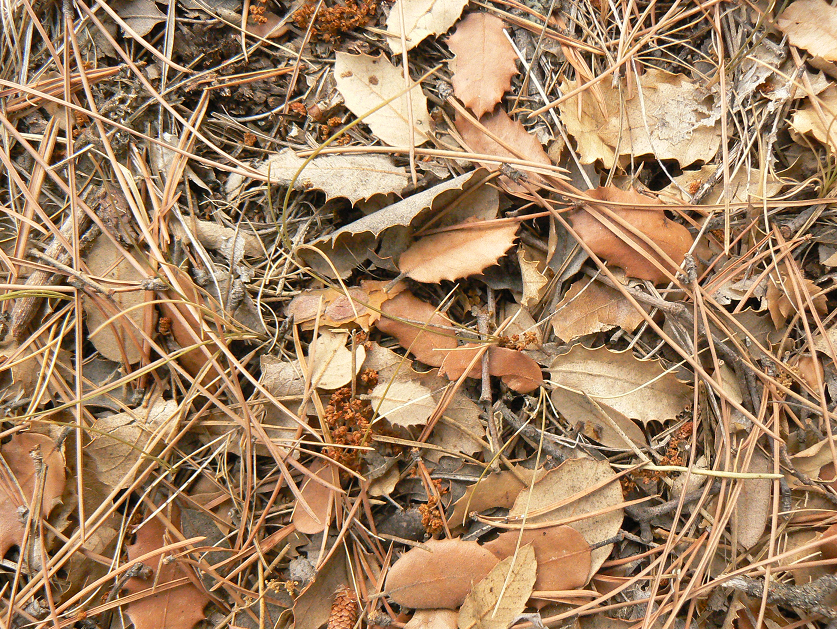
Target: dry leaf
{"x":497,"y":600}
{"x":367,"y":82}
{"x":231,"y":243}
{"x":639,"y":389}
{"x":19,"y":490}
{"x":674,"y":239}
{"x":745,"y":185}
{"x":498,"y":489}
{"x":752,"y":510}
{"x":140,"y":15}
{"x":331,"y":361}
{"x":433,"y":619}
{"x":451,"y":255}
{"x":812,"y":25}
{"x":572,"y":479}
{"x":598,"y":421}
{"x":438,"y":574}
{"x":318,"y":497}
{"x":124,"y":332}
{"x":180,"y":607}
{"x":272,"y":27}
{"x":484,"y":64}
{"x":533,"y":271}
{"x":403,"y":403}
{"x":312,"y":607}
{"x":353,"y":177}
{"x":562,"y":553}
{"x":781,"y":299}
{"x":459,"y":429}
{"x":421,"y":19}
{"x":807,"y":119}
{"x":418,"y":328}
{"x":513,"y":134}
{"x":119,"y":440}
{"x":516,"y":369}
{"x":673,"y":119}
{"x":590,"y":307}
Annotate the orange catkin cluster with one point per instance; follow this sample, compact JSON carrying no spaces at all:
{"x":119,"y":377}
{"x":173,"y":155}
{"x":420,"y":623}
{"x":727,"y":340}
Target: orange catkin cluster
{"x":331,"y":22}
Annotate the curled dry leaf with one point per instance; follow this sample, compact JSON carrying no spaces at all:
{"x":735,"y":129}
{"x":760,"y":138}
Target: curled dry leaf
{"x":451,"y":255}
{"x":812,"y":25}
{"x":781,"y":299}
{"x":18,"y":492}
{"x":318,"y":497}
{"x":570,"y":485}
{"x":438,"y":574}
{"x":352,"y":177}
{"x":418,"y":328}
{"x":497,"y":600}
{"x":516,"y":369}
{"x":368,"y":82}
{"x":421,"y":19}
{"x":590,"y":307}
{"x":562,"y":553}
{"x":513,"y":134}
{"x":639,"y":389}
{"x":484,"y":62}
{"x":403,"y":403}
{"x":807,"y":118}
{"x":180,"y":607}
{"x":498,"y":489}
{"x":644,"y":215}
{"x":339,"y":308}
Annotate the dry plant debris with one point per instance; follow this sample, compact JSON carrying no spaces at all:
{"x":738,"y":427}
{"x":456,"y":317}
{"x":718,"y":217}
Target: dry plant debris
{"x":430,"y":314}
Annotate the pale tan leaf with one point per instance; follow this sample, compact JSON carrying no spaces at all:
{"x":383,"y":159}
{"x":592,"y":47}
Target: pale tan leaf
{"x":331,"y":361}
{"x":811,"y":25}
{"x":312,"y":607}
{"x":562,"y":553}
{"x":438,"y":574}
{"x":639,"y":389}
{"x":497,"y":600}
{"x":367,"y":82}
{"x":459,"y":429}
{"x":451,"y":255}
{"x":124,"y":332}
{"x":643,"y":214}
{"x":590,"y":307}
{"x":752,"y":510}
{"x":517,"y":370}
{"x":598,"y":421}
{"x":229,"y":242}
{"x":534,"y":274}
{"x":807,"y":119}
{"x":403,"y":402}
{"x":421,"y":18}
{"x":674,"y":118}
{"x":433,"y":619}
{"x":498,"y":489}
{"x":513,"y":134}
{"x":484,"y":64}
{"x":569,"y":483}
{"x":353,"y":177}
{"x":745,"y":185}
{"x":318,"y":497}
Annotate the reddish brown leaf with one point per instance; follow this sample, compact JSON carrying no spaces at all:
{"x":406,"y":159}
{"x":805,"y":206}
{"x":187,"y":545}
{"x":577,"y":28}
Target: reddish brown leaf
{"x":451,"y":255}
{"x":404,"y":317}
{"x":513,"y":134}
{"x":672,"y":238}
{"x":18,"y":493}
{"x":485,"y":62}
{"x":518,"y":371}
{"x":179,"y":607}
{"x":318,"y":498}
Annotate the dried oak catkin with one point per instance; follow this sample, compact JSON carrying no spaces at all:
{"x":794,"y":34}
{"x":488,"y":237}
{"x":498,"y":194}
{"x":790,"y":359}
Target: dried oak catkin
{"x":344,"y":612}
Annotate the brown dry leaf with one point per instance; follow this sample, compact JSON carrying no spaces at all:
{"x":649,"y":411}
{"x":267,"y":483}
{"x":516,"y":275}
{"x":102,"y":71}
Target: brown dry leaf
{"x":590,"y":307}
{"x":639,"y":389}
{"x":331,"y":361}
{"x":438,"y":574}
{"x":368,"y":82}
{"x":745,"y":185}
{"x":674,"y":239}
{"x":562,"y":553}
{"x":497,"y":600}
{"x":118,"y":441}
{"x":340,"y":308}
{"x":781,"y":305}
{"x":498,"y":489}
{"x":451,"y":255}
{"x":752,"y":510}
{"x":433,"y":619}
{"x":229,"y":242}
{"x":572,"y":479}
{"x":403,"y":402}
{"x":516,"y":369}
{"x":180,"y":607}
{"x":597,"y":420}
{"x":312,"y":607}
{"x":352,"y":177}
{"x":272,"y":27}
{"x":318,"y":498}
{"x":421,"y":19}
{"x":124,"y":332}
{"x":535,"y":275}
{"x":513,"y":134}
{"x":811,"y":25}
{"x":807,"y":119}
{"x":484,"y":62}
{"x":674,"y":118}
{"x":459,"y":429}
{"x":404,"y":317}
{"x":18,"y":492}
{"x":140,"y":15}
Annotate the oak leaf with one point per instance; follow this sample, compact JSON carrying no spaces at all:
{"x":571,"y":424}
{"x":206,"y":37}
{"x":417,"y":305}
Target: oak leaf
{"x":498,"y":489}
{"x":812,"y":25}
{"x":421,"y":18}
{"x":590,"y":307}
{"x":316,"y":518}
{"x":752,"y":509}
{"x":484,"y":64}
{"x":403,"y":402}
{"x":516,"y":369}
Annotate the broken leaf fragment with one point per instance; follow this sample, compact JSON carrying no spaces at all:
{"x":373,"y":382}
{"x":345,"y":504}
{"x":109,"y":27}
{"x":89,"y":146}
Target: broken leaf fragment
{"x":331,"y":361}
{"x":421,"y":19}
{"x":812,"y":25}
{"x":516,"y":369}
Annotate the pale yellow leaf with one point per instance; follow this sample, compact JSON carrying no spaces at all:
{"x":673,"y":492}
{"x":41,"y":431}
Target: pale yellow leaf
{"x":331,"y":361}
{"x":403,"y":402}
{"x":421,"y":19}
